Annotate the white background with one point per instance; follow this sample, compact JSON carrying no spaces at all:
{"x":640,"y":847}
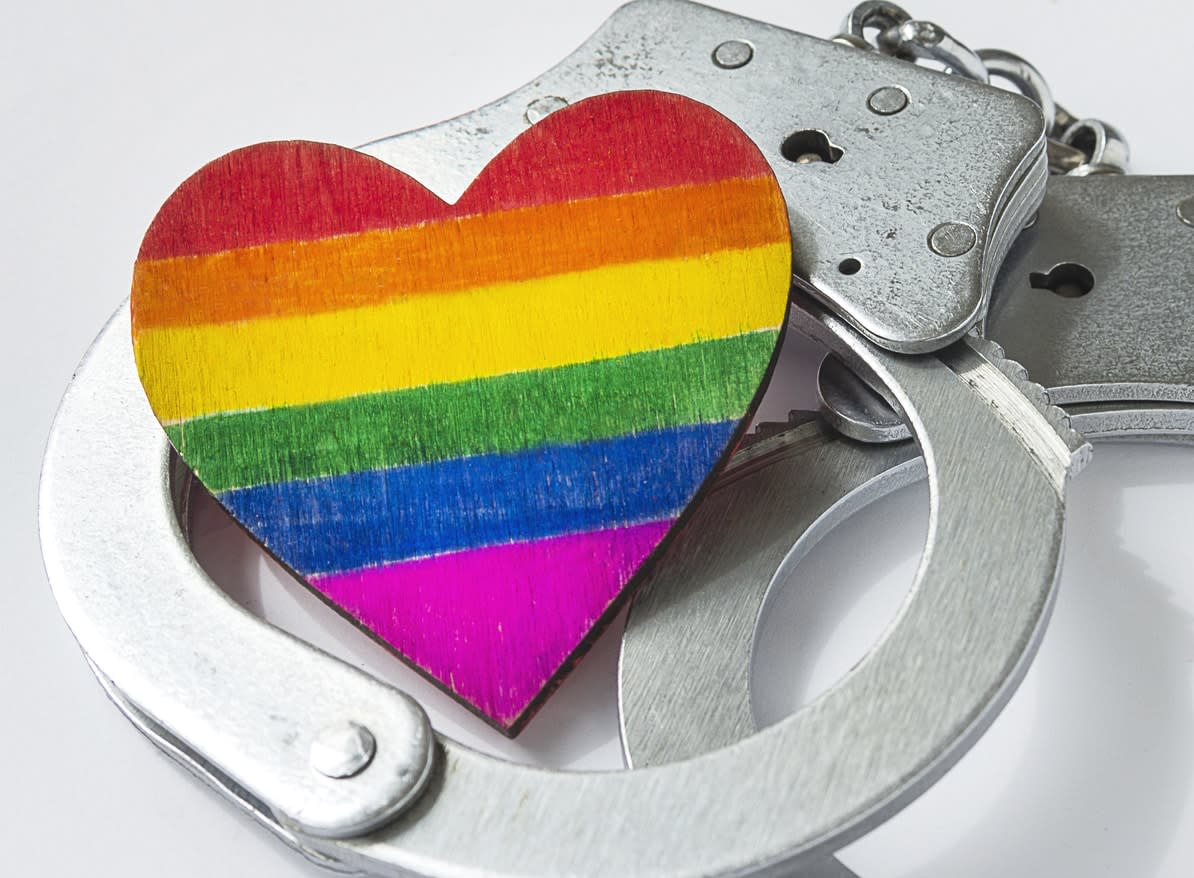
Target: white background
{"x":106,"y":107}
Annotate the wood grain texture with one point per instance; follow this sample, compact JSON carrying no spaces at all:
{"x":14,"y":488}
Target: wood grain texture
{"x":503,"y":414}
{"x":449,"y":255}
{"x":469,"y":425}
{"x":536,"y":324}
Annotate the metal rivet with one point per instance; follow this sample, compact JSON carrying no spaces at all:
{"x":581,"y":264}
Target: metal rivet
{"x":887,"y":101}
{"x":342,"y":750}
{"x":1185,"y":211}
{"x":541,"y":108}
{"x":733,"y":54}
{"x":952,"y":239}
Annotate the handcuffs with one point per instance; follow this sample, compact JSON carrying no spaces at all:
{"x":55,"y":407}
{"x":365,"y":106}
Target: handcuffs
{"x":924,"y":179}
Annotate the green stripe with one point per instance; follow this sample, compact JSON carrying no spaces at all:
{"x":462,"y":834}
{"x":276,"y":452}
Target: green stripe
{"x":697,"y":383}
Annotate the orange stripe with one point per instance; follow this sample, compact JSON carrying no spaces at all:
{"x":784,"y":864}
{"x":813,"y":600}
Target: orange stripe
{"x":372,"y":268}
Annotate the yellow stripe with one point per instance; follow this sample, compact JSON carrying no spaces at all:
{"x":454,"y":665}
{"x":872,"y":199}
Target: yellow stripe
{"x":535,"y":324}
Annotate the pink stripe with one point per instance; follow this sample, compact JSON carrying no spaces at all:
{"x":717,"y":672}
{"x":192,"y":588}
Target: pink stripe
{"x":496,"y":623}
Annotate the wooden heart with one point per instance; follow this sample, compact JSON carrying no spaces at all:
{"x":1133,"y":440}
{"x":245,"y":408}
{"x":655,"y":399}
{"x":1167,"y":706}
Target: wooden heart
{"x":469,"y":425}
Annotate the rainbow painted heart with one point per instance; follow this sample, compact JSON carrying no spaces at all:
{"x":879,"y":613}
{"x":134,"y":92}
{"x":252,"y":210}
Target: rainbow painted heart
{"x":469,"y":425}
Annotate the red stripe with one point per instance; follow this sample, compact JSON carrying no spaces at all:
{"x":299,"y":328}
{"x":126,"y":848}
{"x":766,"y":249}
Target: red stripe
{"x":288,"y":191}
{"x":617,"y":143}
{"x":302,"y":191}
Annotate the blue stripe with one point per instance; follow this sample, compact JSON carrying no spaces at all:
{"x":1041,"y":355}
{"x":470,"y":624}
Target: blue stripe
{"x":362,"y":519}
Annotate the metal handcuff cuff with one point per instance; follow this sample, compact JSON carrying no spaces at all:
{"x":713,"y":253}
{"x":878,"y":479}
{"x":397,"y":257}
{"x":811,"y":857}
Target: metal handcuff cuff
{"x":976,"y":165}
{"x":794,"y":482}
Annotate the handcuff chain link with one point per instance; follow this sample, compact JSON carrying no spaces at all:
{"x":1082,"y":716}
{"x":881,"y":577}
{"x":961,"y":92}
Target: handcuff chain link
{"x":1077,"y":146}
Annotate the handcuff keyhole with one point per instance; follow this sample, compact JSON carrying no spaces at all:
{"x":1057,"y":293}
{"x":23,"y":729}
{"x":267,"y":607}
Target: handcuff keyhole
{"x":810,"y":146}
{"x":1069,"y":279}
